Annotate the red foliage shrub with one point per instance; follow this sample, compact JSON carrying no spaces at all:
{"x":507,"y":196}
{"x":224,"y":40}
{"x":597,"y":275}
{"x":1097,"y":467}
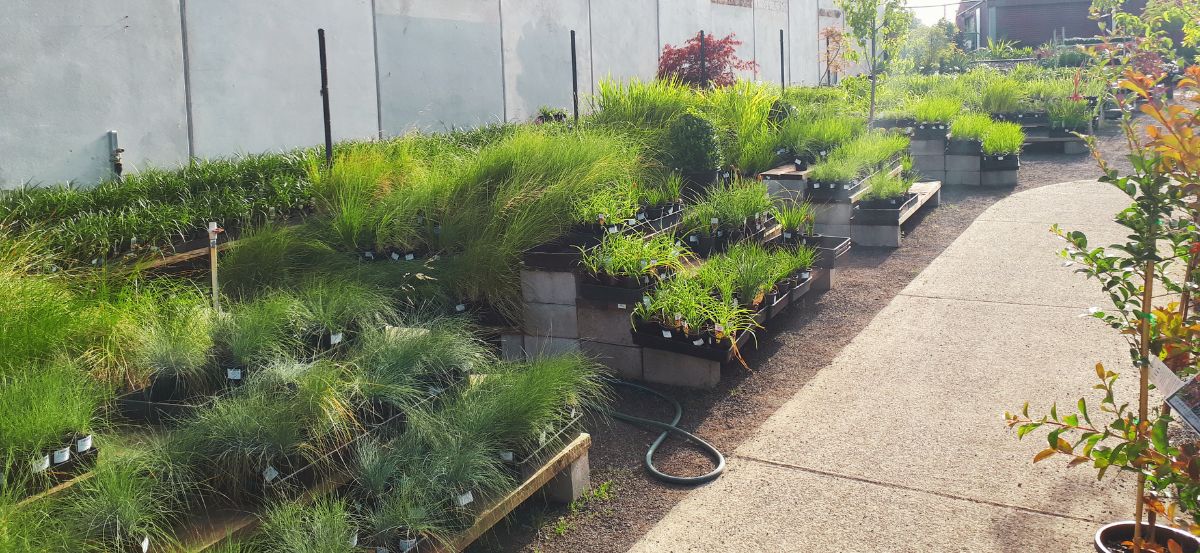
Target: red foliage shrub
{"x":720,"y":61}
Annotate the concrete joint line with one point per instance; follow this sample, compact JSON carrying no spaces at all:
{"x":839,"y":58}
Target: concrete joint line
{"x":913,"y":489}
{"x":997,"y":302}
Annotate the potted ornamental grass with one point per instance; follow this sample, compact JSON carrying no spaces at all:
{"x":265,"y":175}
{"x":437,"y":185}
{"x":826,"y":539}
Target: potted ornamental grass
{"x":622,"y":268}
{"x":727,"y":214}
{"x":1002,"y":145}
{"x":1069,"y":117}
{"x":886,"y":200}
{"x":251,"y":334}
{"x":966,"y":134}
{"x":933,"y":116}
{"x":609,"y":210}
{"x":1150,"y":278}
{"x":660,"y":203}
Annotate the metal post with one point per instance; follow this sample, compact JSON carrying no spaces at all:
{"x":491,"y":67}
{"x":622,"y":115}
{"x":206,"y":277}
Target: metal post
{"x":115,"y":151}
{"x":325,"y":99}
{"x":703,"y":68}
{"x":213,"y":231}
{"x":574,"y":79}
{"x":782,"y":75}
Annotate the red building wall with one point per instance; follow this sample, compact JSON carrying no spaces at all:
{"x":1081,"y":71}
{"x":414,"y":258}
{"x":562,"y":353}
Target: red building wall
{"x":1034,"y":22}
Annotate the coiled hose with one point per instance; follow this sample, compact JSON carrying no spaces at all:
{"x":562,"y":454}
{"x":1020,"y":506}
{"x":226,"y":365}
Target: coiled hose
{"x":667,"y":429}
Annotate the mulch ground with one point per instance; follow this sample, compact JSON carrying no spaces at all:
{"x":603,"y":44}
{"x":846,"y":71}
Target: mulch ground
{"x":800,"y":344}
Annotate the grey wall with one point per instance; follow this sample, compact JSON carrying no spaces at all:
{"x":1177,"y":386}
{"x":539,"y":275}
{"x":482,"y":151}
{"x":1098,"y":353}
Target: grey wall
{"x":215,"y":77}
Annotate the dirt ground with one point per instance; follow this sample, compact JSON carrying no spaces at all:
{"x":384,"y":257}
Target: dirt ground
{"x":626,"y":502}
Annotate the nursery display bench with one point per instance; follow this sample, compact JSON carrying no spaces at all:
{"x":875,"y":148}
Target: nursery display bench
{"x":875,"y":231}
{"x":785,"y":181}
{"x":1068,"y":145}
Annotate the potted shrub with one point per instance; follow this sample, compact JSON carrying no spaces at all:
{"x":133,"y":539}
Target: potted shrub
{"x":1142,"y":283}
{"x":728,"y":213}
{"x":408,"y":513}
{"x":129,"y":504}
{"x":692,"y":150}
{"x":1002,"y":145}
{"x":815,"y":139}
{"x":933,"y":116}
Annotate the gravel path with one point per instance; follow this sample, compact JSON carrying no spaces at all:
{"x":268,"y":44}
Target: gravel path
{"x":802,"y":343}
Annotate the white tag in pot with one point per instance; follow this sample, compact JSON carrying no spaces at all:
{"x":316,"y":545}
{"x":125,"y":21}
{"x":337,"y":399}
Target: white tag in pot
{"x":353,"y":541}
{"x":667,"y":334}
{"x":506,"y":456}
{"x":816,"y":185}
{"x":41,"y":464}
{"x":435,"y":391}
{"x":698,"y":342}
{"x":460,"y":307}
{"x":693,"y":238}
{"x":369,"y":255}
{"x":641,"y":216}
{"x":410,"y":257}
{"x":612,"y":229}
{"x":61,"y":456}
{"x":646,"y":300}
{"x":621,"y":306}
{"x":83,"y":444}
{"x":270,"y":474}
{"x":395,"y":256}
{"x":233,"y":374}
{"x":406,"y":545}
{"x":719,"y":328}
{"x":630,"y":222}
{"x":464,"y":499}
{"x":787,"y":235}
{"x":805,"y":274}
{"x":335,"y":338}
{"x":145,"y":544}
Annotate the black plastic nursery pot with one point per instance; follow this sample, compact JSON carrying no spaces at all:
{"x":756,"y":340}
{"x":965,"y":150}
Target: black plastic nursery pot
{"x":930,"y":131}
{"x":702,"y":345}
{"x":801,"y":285}
{"x":1024,"y":117}
{"x":1000,"y":162}
{"x":1110,"y":537}
{"x":552,"y":257}
{"x":146,"y":406}
{"x":829,"y":248}
{"x":697,"y":183}
{"x":833,"y":191}
{"x":961,"y":147}
{"x":883,"y":212}
{"x":627,"y":290}
{"x":1060,"y":132}
{"x":894,"y":122}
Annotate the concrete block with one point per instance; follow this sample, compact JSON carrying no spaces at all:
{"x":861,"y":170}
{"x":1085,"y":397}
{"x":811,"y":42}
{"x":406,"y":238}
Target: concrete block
{"x":929,"y":163}
{"x":962,"y":178}
{"x":512,"y":346}
{"x":1075,"y":148}
{"x":546,"y":346}
{"x":548,"y":287}
{"x":786,"y":189}
{"x":833,"y":213}
{"x":927,"y":147}
{"x":877,"y":235}
{"x":550,"y":319}
{"x":623,"y":361}
{"x":932,"y":176}
{"x":571,"y":483}
{"x":605,"y":324}
{"x":962,"y":163}
{"x":999,"y":178}
{"x":823,"y":279}
{"x":676,"y":369}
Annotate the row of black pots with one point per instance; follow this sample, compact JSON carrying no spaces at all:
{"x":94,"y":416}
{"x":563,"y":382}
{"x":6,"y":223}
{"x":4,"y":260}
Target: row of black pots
{"x":883,"y":211}
{"x":829,"y":248}
{"x":72,"y":453}
{"x":708,"y":243}
{"x":608,"y":289}
{"x":999,"y":162}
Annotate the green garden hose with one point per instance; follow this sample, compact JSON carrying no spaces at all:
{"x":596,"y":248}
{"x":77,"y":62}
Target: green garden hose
{"x":667,"y":429}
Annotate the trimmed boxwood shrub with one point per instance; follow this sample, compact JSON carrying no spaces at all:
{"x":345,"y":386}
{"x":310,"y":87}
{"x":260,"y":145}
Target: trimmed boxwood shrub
{"x":692,"y":145}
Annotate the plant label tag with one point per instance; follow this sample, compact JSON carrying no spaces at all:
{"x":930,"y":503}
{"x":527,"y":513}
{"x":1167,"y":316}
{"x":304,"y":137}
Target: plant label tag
{"x":410,"y":257}
{"x":698,"y":342}
{"x":816,"y":185}
{"x":646,"y":301}
{"x":435,"y":391}
{"x":630,"y":222}
{"x":1186,"y":402}
{"x":465,"y":499}
{"x":41,"y":464}
{"x":720,"y":233}
{"x":612,"y":229}
{"x":693,"y":238}
{"x":1164,"y":378}
{"x":621,"y":306}
{"x":641,"y":216}
{"x":460,"y":307}
{"x":805,"y":275}
{"x":83,"y":444}
{"x":395,"y":256}
{"x":61,"y":456}
{"x":506,"y":456}
{"x":666,"y":334}
{"x":145,"y":544}
{"x":845,"y":187}
{"x":1001,"y":158}
{"x":335,"y":338}
{"x":234,"y":374}
{"x":715,"y":221}
{"x":353,"y":541}
{"x":719,"y":328}
{"x":787,"y":235}
{"x":369,"y":255}
{"x":270,"y":474}
{"x":405,"y":546}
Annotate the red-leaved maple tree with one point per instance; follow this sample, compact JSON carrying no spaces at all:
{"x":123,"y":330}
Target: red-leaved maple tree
{"x":720,"y":61}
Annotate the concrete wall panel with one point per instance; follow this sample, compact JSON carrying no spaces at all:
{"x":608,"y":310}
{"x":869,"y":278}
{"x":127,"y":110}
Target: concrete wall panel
{"x":739,"y":21}
{"x":770,"y":17}
{"x":537,"y":54}
{"x":439,"y":64}
{"x":805,"y":37}
{"x":255,"y":73}
{"x":70,"y":71}
{"x":680,"y":20}
{"x":624,"y":39}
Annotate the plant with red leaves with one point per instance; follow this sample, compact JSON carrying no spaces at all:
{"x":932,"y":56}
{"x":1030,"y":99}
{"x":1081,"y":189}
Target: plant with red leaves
{"x":720,"y":61}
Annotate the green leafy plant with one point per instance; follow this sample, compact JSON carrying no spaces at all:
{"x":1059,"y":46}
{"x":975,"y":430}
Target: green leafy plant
{"x":177,"y":340}
{"x":44,"y":404}
{"x":692,"y":145}
{"x":1069,"y":114}
{"x":254,"y":333}
{"x":883,"y":186}
{"x":331,"y":307}
{"x":796,"y":217}
{"x":620,"y":255}
{"x":1003,"y":139}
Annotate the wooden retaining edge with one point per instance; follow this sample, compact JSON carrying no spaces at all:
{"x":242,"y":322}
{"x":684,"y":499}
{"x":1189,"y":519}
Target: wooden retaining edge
{"x":497,"y":511}
{"x":179,"y":258}
{"x":220,"y":525}
{"x":60,"y":487}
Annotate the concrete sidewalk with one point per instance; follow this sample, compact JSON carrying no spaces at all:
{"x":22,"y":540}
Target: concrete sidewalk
{"x":900,"y":444}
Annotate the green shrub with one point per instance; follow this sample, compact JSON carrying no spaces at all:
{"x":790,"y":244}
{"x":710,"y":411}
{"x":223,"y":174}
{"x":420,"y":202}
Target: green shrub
{"x":692,"y":145}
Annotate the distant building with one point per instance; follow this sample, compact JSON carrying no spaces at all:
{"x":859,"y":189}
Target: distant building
{"x":1029,"y":22}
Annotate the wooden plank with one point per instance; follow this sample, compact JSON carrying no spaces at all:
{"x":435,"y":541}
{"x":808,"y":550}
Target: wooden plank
{"x":215,"y":527}
{"x":786,"y":171}
{"x":179,"y":258}
{"x":495,"y":513}
{"x":924,"y":191}
{"x":1051,"y":139}
{"x":60,"y":487}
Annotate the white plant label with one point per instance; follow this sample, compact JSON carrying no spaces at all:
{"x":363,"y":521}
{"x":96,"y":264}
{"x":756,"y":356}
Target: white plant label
{"x":641,"y":216}
{"x":145,"y":544}
{"x":465,"y":499}
{"x":353,"y":541}
{"x":698,"y":342}
{"x":646,"y":301}
{"x":460,"y":307}
{"x":41,"y":464}
{"x":630,"y":222}
{"x":612,"y":229}
{"x":719,"y":328}
{"x":715,"y":221}
{"x":805,"y":275}
{"x":410,"y":257}
{"x":270,"y":473}
{"x":1164,"y":378}
{"x":1186,"y":402}
{"x":335,"y":339}
{"x":406,"y":545}
{"x":693,"y":238}
{"x":787,"y":235}
{"x":816,"y":185}
{"x":61,"y":456}
{"x":369,"y":255}
{"x":234,"y":374}
{"x":621,"y":306}
{"x":667,"y":334}
{"x":506,"y":456}
{"x":435,"y":391}
{"x":83,"y":444}
{"x":395,"y":256}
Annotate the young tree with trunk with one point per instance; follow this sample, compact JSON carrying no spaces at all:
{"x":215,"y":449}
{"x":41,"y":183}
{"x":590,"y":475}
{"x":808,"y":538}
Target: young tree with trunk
{"x":878,"y":27}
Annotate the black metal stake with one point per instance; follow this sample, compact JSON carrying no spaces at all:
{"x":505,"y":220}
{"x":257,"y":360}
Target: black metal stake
{"x":325,"y":99}
{"x":782,"y":77}
{"x":703,"y":68}
{"x":574,"y":79}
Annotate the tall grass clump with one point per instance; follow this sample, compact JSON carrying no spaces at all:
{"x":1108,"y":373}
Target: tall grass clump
{"x":1003,"y":139}
{"x":1002,"y":96}
{"x":743,"y":112}
{"x":970,"y":126}
{"x":936,"y":109}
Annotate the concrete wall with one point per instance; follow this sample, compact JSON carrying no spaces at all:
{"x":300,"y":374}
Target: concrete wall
{"x":216,"y":77}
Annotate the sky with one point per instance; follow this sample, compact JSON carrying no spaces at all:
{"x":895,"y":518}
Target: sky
{"x":930,"y":11}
